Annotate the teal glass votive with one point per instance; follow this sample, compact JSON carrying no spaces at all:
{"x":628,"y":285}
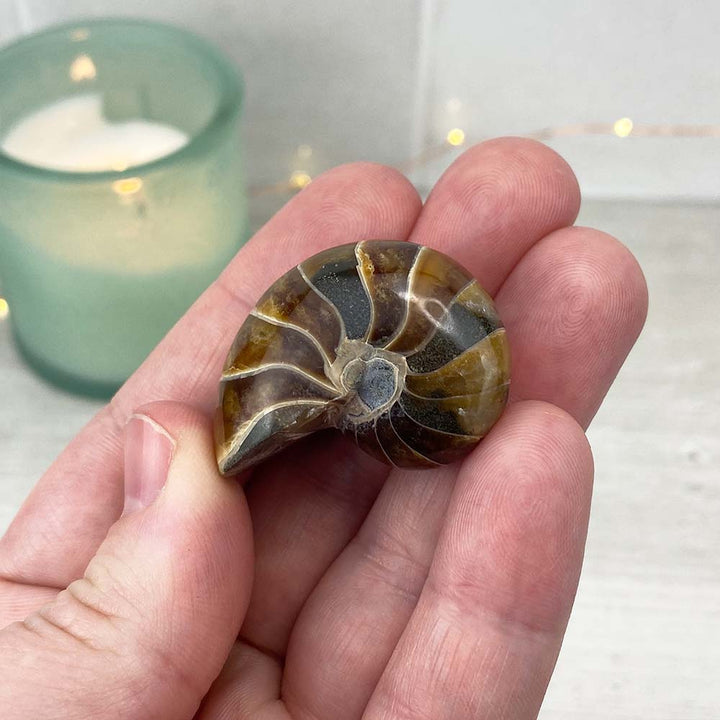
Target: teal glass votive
{"x":121,"y":191}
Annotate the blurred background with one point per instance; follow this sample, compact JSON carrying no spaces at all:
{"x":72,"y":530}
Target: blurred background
{"x":333,"y":81}
{"x":330,"y":81}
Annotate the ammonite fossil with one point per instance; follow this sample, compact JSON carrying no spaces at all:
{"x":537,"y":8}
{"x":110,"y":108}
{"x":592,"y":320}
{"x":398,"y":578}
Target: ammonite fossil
{"x":389,"y":341}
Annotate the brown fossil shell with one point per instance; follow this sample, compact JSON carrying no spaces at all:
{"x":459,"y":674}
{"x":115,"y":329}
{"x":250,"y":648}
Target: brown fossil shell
{"x":389,"y":341}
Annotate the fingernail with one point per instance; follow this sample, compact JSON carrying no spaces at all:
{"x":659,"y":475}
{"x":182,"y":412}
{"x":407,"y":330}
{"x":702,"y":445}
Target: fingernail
{"x":148,"y":451}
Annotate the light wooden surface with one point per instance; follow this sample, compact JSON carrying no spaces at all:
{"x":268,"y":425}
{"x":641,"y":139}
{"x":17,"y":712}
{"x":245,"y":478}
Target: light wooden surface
{"x":644,"y":638}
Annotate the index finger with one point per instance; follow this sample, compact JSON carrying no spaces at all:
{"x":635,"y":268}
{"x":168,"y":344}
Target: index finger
{"x":71,"y":508}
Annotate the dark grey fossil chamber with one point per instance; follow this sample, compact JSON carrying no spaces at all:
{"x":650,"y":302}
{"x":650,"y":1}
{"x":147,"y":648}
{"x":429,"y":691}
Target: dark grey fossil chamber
{"x":392,"y":342}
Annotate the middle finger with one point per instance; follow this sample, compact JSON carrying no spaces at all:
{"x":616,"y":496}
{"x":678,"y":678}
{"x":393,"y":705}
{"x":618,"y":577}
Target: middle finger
{"x":494,"y":203}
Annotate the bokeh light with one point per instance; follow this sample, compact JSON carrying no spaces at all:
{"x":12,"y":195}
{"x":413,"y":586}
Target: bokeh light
{"x":623,"y":127}
{"x":455,"y":137}
{"x":299,"y":179}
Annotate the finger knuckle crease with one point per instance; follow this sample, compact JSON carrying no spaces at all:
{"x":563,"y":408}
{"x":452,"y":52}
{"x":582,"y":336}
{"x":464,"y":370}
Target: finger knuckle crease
{"x":393,"y":562}
{"x":465,"y":596}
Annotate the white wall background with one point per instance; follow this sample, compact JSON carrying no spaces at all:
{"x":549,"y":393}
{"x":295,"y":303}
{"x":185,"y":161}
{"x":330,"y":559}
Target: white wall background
{"x":519,"y":66}
{"x":377,"y":79}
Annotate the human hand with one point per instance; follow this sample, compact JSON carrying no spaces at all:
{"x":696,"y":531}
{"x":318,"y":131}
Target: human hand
{"x":377,"y":593}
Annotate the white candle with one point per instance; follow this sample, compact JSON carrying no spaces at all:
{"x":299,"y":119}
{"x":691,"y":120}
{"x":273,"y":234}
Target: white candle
{"x":115,"y":261}
{"x":73,"y":135}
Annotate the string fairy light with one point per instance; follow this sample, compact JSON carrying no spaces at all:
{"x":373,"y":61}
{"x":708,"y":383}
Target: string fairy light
{"x":127,"y":186}
{"x":623,"y":127}
{"x":82,"y":68}
{"x":455,"y":137}
{"x":299,"y":179}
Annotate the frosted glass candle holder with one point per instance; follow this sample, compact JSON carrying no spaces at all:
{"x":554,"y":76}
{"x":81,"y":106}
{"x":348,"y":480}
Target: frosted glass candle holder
{"x":97,"y":265}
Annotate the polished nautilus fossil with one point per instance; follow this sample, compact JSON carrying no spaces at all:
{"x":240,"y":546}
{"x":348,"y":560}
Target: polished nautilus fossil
{"x":389,"y":341}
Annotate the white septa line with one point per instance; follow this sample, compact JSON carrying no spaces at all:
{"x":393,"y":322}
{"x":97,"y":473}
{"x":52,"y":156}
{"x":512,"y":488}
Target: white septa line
{"x":409,"y":297}
{"x":437,"y":323}
{"x":371,"y":324}
{"x":283,"y":323}
{"x":343,"y":331}
{"x":410,"y":447}
{"x":239,"y":374}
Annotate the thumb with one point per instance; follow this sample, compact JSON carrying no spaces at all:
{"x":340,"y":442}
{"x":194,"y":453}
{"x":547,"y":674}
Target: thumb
{"x":147,"y":629}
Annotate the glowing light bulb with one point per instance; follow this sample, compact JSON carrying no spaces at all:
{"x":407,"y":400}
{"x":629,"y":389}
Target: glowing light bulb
{"x":623,"y":127}
{"x":299,"y":179}
{"x":4,"y":308}
{"x":455,"y":137}
{"x":82,"y":68}
{"x":127,"y":186}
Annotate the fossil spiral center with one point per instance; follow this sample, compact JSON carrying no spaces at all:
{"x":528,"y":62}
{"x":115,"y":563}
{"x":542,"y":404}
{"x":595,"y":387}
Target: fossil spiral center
{"x":372,"y":379}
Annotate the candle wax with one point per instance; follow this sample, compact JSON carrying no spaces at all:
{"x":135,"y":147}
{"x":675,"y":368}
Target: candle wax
{"x":73,"y":135}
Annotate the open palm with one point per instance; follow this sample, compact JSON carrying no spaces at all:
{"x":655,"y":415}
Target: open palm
{"x":376,"y":593}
